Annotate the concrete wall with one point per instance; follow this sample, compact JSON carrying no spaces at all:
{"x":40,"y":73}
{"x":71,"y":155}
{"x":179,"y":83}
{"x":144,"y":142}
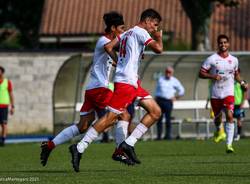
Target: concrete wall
{"x":33,"y":76}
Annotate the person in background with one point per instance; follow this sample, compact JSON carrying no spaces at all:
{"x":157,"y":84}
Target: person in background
{"x":6,"y":100}
{"x":168,"y":89}
{"x":222,"y":68}
{"x":239,"y":114}
{"x":248,"y":97}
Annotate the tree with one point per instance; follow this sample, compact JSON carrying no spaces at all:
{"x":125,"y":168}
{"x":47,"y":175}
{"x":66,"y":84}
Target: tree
{"x":199,"y":12}
{"x":23,"y":17}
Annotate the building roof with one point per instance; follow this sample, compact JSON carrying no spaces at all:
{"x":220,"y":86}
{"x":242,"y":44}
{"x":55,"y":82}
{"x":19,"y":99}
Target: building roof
{"x":72,"y":18}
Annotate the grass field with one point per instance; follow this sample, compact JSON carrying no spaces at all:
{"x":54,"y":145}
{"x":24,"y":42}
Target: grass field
{"x":162,"y":162}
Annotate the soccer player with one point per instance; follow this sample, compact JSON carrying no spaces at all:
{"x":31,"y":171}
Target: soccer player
{"x":6,"y":100}
{"x":127,"y":87}
{"x":222,"y":68}
{"x":97,"y":94}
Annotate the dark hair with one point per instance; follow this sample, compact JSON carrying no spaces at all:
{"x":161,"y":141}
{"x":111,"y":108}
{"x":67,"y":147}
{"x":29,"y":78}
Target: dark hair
{"x":2,"y":69}
{"x":150,"y":13}
{"x":112,"y":19}
{"x":222,"y":36}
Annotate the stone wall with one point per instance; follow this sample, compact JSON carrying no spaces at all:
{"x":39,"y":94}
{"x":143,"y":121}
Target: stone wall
{"x":33,"y":76}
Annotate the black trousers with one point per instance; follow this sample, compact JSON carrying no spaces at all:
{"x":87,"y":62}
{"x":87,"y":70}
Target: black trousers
{"x":166,"y":108}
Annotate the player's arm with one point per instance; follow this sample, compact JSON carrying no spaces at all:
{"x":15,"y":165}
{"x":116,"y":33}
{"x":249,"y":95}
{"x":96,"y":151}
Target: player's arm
{"x":243,"y":83}
{"x":244,"y":94}
{"x":204,"y":74}
{"x":10,"y":89}
{"x":110,"y":49}
{"x":156,"y":44}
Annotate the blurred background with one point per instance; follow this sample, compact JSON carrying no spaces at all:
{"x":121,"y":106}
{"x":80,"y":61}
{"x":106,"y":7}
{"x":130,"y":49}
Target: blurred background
{"x":46,"y":47}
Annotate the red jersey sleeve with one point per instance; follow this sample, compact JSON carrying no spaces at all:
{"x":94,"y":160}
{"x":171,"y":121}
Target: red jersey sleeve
{"x":10,"y":87}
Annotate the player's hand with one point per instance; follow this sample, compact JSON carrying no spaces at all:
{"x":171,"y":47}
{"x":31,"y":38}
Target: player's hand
{"x":217,"y":77}
{"x":12,"y":110}
{"x":157,"y":35}
{"x":244,"y":85}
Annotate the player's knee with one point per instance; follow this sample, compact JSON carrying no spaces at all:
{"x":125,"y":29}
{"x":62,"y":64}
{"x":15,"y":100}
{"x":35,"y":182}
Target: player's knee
{"x":125,"y":116}
{"x":111,"y":118}
{"x":82,"y":126}
{"x":156,"y":114}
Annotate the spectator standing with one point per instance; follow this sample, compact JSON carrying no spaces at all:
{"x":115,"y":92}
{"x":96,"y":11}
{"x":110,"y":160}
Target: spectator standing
{"x":168,"y":89}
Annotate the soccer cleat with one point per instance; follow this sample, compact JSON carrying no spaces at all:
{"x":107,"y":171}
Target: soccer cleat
{"x":230,"y":149}
{"x":219,"y":136}
{"x":45,"y":152}
{"x":119,"y":156}
{"x":130,"y":152}
{"x":76,"y":157}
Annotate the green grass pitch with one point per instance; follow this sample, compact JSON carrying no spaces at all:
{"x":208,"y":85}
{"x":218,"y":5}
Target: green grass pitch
{"x":179,"y":162}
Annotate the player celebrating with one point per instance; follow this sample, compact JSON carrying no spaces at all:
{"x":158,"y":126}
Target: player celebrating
{"x":222,"y":68}
{"x":97,"y":94}
{"x":127,"y":86}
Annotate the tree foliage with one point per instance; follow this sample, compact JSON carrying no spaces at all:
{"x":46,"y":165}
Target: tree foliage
{"x":199,"y":12}
{"x":21,"y":18}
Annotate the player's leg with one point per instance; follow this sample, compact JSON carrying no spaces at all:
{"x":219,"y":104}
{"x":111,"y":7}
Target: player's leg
{"x":4,"y":133}
{"x":152,"y":115}
{"x":239,"y":126}
{"x":217,"y":106}
{"x":229,"y":126}
{"x":121,"y":132}
{"x":106,"y":121}
{"x":76,"y":150}
{"x":65,"y":135}
{"x":3,"y":122}
{"x":239,"y":114}
{"x":87,"y":116}
{"x":121,"y":129}
{"x":75,"y":129}
{"x":229,"y":106}
{"x":124,"y":94}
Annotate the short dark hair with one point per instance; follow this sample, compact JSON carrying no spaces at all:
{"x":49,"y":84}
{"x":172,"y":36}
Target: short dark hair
{"x":150,"y":13}
{"x":112,"y":18}
{"x":222,"y":36}
{"x":2,"y":69}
